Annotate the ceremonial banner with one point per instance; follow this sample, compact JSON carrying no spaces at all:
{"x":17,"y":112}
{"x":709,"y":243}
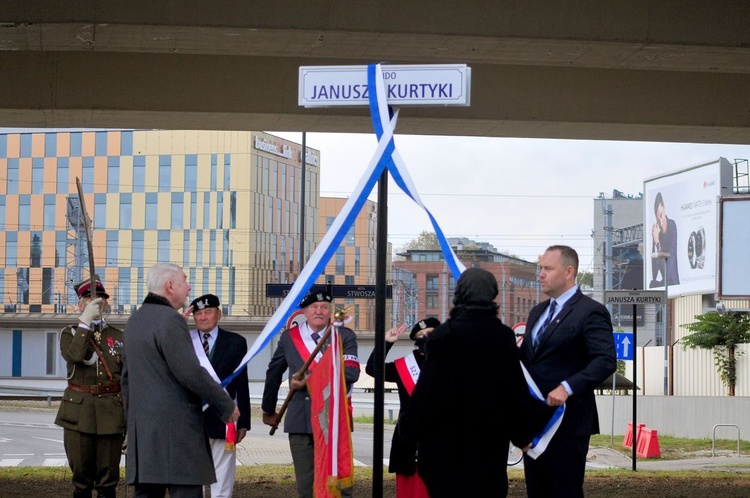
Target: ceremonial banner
{"x":334,"y":464}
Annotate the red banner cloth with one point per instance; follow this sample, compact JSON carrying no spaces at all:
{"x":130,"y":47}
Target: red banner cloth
{"x":332,"y":438}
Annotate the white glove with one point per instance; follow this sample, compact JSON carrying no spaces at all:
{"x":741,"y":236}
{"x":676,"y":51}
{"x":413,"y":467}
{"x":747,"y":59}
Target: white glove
{"x":91,"y":312}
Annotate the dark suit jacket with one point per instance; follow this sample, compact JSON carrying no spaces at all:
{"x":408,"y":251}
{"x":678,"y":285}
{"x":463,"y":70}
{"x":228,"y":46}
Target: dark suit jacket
{"x":226,"y":355}
{"x":577,"y":347}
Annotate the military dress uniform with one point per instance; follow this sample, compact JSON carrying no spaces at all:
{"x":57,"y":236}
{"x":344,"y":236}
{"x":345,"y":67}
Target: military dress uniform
{"x":91,"y":411}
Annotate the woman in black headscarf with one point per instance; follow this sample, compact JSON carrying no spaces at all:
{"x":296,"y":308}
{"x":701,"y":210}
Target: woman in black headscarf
{"x":471,"y":398}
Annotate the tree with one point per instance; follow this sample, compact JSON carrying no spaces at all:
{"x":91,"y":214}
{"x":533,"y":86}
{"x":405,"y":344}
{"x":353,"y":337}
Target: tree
{"x":720,"y":333}
{"x":585,"y":278}
{"x":425,"y":240}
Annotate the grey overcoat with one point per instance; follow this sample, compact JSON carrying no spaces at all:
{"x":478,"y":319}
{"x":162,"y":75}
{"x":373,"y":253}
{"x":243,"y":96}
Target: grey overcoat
{"x":163,"y":385}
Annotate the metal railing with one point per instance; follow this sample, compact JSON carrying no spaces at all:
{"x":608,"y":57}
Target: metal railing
{"x":713,"y":437}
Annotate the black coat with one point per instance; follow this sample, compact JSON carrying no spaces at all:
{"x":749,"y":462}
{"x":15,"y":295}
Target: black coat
{"x":470,"y":401}
{"x":226,"y":355}
{"x":403,"y":456}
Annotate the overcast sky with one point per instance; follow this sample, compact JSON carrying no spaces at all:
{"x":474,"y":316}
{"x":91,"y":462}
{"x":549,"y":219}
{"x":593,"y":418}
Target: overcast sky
{"x":520,"y":195}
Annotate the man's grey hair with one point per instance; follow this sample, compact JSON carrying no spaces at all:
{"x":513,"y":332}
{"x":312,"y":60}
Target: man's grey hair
{"x":160,"y":274}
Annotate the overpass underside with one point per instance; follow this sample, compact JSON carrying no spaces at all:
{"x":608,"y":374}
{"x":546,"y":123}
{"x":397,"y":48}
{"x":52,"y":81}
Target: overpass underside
{"x":651,"y":71}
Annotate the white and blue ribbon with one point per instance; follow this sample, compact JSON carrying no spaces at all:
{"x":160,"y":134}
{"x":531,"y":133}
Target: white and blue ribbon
{"x":541,"y":441}
{"x":386,"y":157}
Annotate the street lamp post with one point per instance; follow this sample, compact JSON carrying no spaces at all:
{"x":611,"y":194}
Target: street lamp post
{"x":665,"y":318}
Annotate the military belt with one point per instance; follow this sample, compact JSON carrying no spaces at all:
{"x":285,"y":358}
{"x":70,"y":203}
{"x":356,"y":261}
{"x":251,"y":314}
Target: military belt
{"x":96,"y":389}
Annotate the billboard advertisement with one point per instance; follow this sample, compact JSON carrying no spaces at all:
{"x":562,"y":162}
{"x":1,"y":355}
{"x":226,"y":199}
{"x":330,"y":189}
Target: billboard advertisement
{"x":680,"y":228}
{"x":627,"y":262}
{"x":734,"y":265}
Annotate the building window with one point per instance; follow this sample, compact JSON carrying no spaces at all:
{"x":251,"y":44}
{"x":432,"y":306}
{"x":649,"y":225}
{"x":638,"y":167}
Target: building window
{"x":50,"y":144}
{"x":193,"y":209}
{"x":139,"y":174}
{"x":165,"y":173}
{"x":75,"y":144}
{"x":178,"y":210}
{"x":48,"y":281}
{"x":220,"y":210}
{"x":191,"y":173}
{"x":37,"y":175}
{"x":213,"y":173}
{"x":227,"y":171}
{"x":349,"y":279}
{"x":87,"y":176}
{"x":199,"y":248}
{"x":350,"y":236}
{"x":185,"y":249}
{"x":25,"y":145}
{"x":100,"y":211}
{"x":431,"y":301}
{"x":24,"y":213}
{"x":112,"y":246}
{"x":340,"y":261}
{"x":35,"y":252}
{"x":63,"y":175}
{"x":61,"y":248}
{"x":212,"y":248}
{"x":101,"y":143}
{"x":206,"y":208}
{"x":13,"y":176}
{"x":126,"y":211}
{"x":126,"y":143}
{"x":123,"y":281}
{"x":137,"y":251}
{"x":3,"y":145}
{"x":162,"y":255}
{"x":113,"y":174}
{"x":433,"y":283}
{"x":152,"y":211}
{"x":49,"y":212}
{"x":233,"y":210}
{"x":11,"y":249}
{"x":356,"y":261}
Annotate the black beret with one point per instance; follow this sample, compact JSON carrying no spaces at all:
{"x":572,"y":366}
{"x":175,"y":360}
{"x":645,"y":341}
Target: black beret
{"x":316,"y":295}
{"x":427,"y":323}
{"x":205,"y":301}
{"x":84,"y":289}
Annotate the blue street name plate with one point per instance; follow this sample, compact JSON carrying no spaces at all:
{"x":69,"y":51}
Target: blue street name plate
{"x":338,"y":291}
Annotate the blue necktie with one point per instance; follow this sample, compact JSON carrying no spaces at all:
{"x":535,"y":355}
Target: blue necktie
{"x":315,"y":337}
{"x":546,"y":323}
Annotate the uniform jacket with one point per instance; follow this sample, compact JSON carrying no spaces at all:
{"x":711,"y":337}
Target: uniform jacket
{"x":577,"y":347}
{"x":163,"y":387}
{"x":85,"y":412}
{"x":286,"y":357}
{"x":227,"y":353}
{"x":403,"y":456}
{"x":472,"y":370}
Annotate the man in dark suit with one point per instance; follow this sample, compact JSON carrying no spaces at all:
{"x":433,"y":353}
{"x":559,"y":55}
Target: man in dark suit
{"x":568,"y":349}
{"x":221,"y":352}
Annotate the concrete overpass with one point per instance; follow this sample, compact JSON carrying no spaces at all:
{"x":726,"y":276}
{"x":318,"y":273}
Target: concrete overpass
{"x":642,"y":70}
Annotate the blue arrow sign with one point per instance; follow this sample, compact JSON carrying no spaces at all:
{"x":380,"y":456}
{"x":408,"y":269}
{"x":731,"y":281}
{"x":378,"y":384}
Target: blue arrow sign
{"x":624,"y":345}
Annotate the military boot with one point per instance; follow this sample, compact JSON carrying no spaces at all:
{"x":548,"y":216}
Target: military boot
{"x":110,"y":492}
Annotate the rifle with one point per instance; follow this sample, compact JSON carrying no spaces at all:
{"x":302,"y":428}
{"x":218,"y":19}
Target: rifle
{"x":89,"y":243}
{"x":299,"y":375}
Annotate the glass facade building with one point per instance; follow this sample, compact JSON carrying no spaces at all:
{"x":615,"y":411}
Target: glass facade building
{"x":223,"y":205}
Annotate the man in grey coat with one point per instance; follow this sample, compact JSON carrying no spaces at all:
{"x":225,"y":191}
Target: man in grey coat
{"x":164,"y":388}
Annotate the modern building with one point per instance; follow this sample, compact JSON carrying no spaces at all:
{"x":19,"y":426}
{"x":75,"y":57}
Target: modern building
{"x":224,"y":205}
{"x":354,"y":261}
{"x":429,"y":285}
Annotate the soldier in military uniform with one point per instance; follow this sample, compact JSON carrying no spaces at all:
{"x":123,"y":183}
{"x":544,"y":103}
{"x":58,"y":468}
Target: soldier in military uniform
{"x":91,"y":411}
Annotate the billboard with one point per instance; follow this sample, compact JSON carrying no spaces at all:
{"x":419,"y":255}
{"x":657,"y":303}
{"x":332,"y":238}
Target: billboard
{"x":734,"y":265}
{"x":680,"y":228}
{"x":627,"y":263}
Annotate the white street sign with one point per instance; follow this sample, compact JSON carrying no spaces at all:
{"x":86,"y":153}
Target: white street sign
{"x":412,"y":85}
{"x":633,"y":297}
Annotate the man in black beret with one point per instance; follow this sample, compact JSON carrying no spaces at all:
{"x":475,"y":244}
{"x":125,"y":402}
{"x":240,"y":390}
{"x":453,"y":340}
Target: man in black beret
{"x":91,"y":411}
{"x":220,"y":353}
{"x":294,"y":348}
